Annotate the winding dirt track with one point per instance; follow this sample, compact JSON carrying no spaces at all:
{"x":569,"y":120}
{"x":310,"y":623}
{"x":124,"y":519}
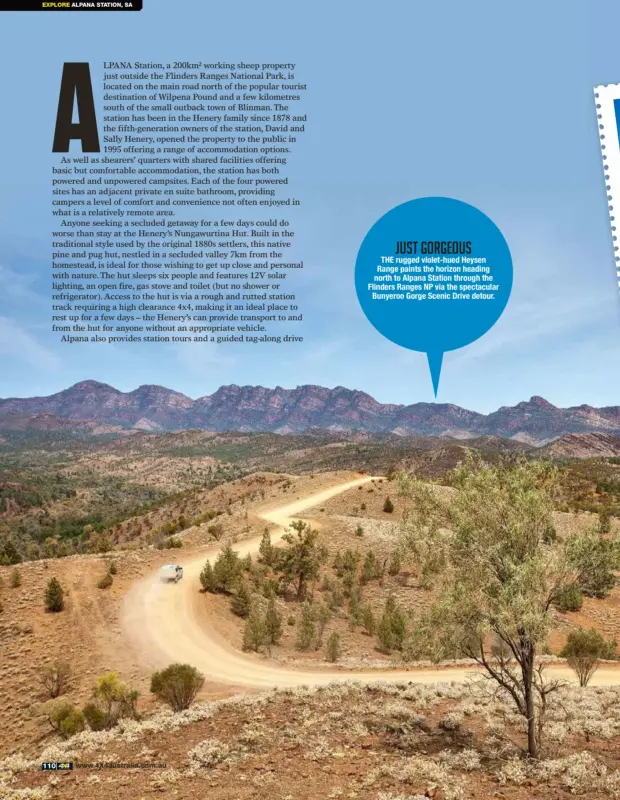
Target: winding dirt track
{"x":164,"y":624}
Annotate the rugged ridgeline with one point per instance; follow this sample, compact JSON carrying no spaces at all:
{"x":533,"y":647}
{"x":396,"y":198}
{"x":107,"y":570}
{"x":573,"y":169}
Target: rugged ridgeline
{"x":255,"y":408}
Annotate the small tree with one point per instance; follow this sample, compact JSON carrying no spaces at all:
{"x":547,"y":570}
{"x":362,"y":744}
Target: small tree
{"x":227,"y":569}
{"x":350,"y":561}
{"x":392,"y":628}
{"x":116,"y":699}
{"x":333,"y":647}
{"x":63,"y":717}
{"x":207,"y":578}
{"x":604,"y":522}
{"x":301,"y":560}
{"x":384,"y":634}
{"x":177,"y":685}
{"x":584,"y":650}
{"x":273,"y":624}
{"x":398,"y":622}
{"x":395,"y":563}
{"x":499,"y":572}
{"x":241,"y":599}
{"x":569,"y":597}
{"x":265,"y":550}
{"x":371,"y":568}
{"x":388,"y":506}
{"x":55,"y":678}
{"x":15,"y":578}
{"x":10,"y":554}
{"x":596,"y":558}
{"x":368,"y":620}
{"x":106,"y":581}
{"x":306,"y":630}
{"x":258,"y":573}
{"x":254,"y":633}
{"x":323,"y":615}
{"x":95,"y":717}
{"x":54,"y":596}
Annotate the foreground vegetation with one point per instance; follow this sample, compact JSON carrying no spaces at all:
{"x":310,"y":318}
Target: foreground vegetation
{"x":379,"y":743}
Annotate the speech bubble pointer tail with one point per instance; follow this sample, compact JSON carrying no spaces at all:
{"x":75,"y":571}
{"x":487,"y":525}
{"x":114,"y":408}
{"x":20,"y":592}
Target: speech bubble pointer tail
{"x":435,"y":359}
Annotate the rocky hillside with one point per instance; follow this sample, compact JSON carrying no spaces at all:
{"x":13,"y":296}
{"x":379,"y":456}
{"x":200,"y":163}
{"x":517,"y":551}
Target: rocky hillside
{"x":584,"y":445}
{"x":256,"y":408}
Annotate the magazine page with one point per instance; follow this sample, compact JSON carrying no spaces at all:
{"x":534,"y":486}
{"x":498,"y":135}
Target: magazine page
{"x":309,"y":423}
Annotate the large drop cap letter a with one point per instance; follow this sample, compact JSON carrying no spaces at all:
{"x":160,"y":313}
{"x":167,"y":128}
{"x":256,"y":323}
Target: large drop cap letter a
{"x":76,"y":83}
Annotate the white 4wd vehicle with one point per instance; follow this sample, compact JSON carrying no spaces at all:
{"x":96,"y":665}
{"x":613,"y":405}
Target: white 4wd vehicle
{"x":170,"y":572}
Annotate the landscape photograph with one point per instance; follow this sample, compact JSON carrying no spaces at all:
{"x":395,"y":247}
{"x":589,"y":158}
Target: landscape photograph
{"x":307,"y":593}
{"x":273,"y":526}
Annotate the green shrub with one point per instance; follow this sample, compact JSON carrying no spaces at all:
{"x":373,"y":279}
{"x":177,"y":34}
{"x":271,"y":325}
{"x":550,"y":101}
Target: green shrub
{"x":73,"y":723}
{"x":306,"y":630}
{"x":227,"y":569}
{"x":388,"y":506}
{"x":371,"y":568}
{"x":392,"y":629}
{"x":604,"y":522}
{"x":177,"y":685}
{"x":207,"y":578}
{"x":116,"y":699}
{"x":583,"y":651}
{"x":217,"y":529}
{"x":385,"y":636}
{"x":333,"y":647}
{"x":63,"y":717}
{"x":54,"y":596}
{"x":255,"y":632}
{"x":395,"y":563}
{"x":241,"y":599}
{"x":350,"y":561}
{"x":359,"y":531}
{"x":266,"y":550}
{"x":106,"y":581}
{"x":9,"y":554}
{"x":16,"y":579}
{"x":95,"y":717}
{"x":569,"y":598}
{"x":322,"y":615}
{"x":273,"y":624}
{"x":173,"y":543}
{"x":368,"y":620}
{"x":112,"y":569}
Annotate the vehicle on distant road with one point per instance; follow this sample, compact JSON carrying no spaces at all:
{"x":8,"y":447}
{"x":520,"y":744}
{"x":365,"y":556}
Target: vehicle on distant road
{"x":170,"y":572}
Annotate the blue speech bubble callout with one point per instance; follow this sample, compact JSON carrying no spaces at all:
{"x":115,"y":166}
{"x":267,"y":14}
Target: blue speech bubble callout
{"x":433,"y":275}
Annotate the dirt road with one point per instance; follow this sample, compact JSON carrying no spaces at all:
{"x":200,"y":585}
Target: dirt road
{"x":163,"y":624}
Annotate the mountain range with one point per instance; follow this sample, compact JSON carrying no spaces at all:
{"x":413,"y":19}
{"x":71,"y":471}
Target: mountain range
{"x":256,"y":408}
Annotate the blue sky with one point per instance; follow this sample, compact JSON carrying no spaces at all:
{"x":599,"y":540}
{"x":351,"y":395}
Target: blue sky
{"x":487,"y":102}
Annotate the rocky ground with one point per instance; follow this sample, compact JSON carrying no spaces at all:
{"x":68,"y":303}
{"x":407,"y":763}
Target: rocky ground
{"x":394,"y":742}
